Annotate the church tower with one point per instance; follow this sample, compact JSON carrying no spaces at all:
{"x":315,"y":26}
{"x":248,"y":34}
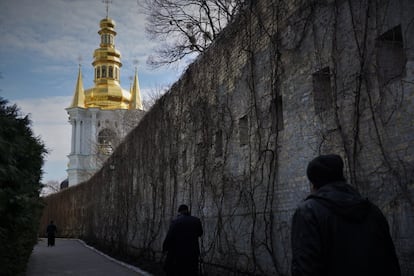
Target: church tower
{"x":101,"y":116}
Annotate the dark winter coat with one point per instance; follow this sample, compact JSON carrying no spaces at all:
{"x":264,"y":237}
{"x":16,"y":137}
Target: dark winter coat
{"x":51,"y":230}
{"x":181,"y":245}
{"x":336,"y":232}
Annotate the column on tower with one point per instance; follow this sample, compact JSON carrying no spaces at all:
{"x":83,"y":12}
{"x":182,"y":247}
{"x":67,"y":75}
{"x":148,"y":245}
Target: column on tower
{"x":78,"y":137}
{"x":72,"y":147}
{"x":93,"y":129}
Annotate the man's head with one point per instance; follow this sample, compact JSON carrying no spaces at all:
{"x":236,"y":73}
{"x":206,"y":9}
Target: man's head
{"x":183,"y":209}
{"x":325,"y":169}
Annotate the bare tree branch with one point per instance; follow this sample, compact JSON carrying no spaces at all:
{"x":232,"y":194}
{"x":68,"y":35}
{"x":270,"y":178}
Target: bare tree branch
{"x":186,"y":27}
{"x":50,"y":187}
{"x":153,"y":95}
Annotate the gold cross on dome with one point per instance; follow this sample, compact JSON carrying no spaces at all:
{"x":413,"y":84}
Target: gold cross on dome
{"x":107,"y":2}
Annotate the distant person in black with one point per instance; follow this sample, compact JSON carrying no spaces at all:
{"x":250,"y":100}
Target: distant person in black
{"x":336,"y":232}
{"x":51,"y":233}
{"x":181,"y":244}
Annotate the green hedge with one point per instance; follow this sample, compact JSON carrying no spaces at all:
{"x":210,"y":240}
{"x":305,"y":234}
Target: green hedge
{"x":21,"y":160}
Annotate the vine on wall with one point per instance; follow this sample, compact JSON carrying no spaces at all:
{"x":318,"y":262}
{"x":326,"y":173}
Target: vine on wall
{"x":187,"y":148}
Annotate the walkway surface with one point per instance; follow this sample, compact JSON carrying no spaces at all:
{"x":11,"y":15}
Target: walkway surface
{"x":74,"y":257}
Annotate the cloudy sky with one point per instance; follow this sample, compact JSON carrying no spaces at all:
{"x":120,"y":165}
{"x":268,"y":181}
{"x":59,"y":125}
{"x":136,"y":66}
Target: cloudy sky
{"x":42,"y":44}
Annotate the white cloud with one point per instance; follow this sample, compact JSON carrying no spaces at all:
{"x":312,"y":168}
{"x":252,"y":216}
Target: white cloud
{"x":46,"y":38}
{"x":50,"y":123}
{"x":62,"y":30}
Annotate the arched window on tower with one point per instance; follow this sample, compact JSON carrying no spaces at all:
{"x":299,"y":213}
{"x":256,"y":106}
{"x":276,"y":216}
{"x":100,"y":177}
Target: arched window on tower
{"x":110,"y":72}
{"x":105,"y":39}
{"x":106,"y":141}
{"x":103,"y":71}
{"x":98,"y":72}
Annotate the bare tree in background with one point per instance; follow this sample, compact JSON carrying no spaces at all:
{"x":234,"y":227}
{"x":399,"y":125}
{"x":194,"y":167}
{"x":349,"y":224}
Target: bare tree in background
{"x":153,"y":95}
{"x":186,"y":26}
{"x":50,"y":187}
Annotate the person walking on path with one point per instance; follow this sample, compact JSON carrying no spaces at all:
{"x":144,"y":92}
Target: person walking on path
{"x":181,"y":244}
{"x":51,"y":231}
{"x":337,"y":232}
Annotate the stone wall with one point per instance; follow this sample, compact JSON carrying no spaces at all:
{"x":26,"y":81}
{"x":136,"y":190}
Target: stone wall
{"x":286,"y":81}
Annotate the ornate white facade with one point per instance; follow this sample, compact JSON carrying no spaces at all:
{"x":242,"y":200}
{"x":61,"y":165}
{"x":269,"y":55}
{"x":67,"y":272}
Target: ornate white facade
{"x":101,"y":116}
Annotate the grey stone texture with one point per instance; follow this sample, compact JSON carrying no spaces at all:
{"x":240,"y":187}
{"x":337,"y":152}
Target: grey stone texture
{"x":285,"y":82}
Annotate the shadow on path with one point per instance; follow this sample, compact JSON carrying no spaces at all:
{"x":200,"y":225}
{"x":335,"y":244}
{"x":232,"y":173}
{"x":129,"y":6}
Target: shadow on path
{"x":73,"y":257}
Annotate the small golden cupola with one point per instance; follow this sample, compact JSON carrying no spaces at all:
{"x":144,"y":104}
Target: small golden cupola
{"x":79,"y":95}
{"x":136,"y":102}
{"x":107,"y":92}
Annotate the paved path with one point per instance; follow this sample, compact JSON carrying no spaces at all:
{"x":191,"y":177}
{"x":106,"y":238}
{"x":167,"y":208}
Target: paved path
{"x":73,"y":257}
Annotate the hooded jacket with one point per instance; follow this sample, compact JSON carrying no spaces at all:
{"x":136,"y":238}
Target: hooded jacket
{"x":336,"y":232}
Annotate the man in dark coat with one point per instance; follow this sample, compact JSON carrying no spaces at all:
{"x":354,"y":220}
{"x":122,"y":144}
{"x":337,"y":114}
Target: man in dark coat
{"x":51,"y":233}
{"x":336,"y":232}
{"x":181,"y":244}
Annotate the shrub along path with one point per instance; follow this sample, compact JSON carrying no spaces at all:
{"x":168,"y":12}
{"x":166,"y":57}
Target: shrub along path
{"x":73,"y":257}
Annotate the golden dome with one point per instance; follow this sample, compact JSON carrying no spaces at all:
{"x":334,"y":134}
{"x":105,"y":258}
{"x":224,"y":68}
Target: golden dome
{"x":107,"y":92}
{"x":107,"y":23}
{"x":107,"y":97}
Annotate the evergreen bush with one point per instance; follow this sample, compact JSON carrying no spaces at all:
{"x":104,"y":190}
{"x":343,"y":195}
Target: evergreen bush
{"x":21,"y":160}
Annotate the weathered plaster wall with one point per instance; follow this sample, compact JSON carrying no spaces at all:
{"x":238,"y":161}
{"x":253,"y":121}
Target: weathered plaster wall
{"x":233,"y":136}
